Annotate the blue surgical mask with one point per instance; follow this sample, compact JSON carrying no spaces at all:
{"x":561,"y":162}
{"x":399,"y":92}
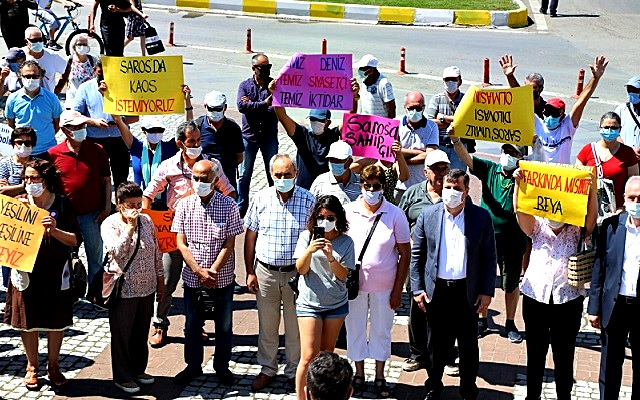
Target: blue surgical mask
{"x":372,"y":198}
{"x":37,"y":47}
{"x":284,"y":185}
{"x":13,"y":67}
{"x":609,"y":135}
{"x":361,"y":74}
{"x":414,"y":115}
{"x":634,"y":98}
{"x":508,"y":162}
{"x":337,"y":169}
{"x":551,"y":122}
{"x":80,"y":135}
{"x":633,"y":209}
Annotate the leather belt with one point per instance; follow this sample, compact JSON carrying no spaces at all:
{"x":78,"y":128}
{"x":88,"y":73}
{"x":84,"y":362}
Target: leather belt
{"x":282,"y":268}
{"x":451,"y":282}
{"x":627,"y":299}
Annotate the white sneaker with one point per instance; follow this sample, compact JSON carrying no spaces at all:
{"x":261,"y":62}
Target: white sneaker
{"x":129,"y":387}
{"x":452,"y":370}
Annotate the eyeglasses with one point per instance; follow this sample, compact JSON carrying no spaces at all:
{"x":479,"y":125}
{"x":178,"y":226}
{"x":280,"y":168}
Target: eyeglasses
{"x":36,"y":40}
{"x":215,"y":109}
{"x":31,"y":76}
{"x":439,"y":170}
{"x":31,"y":178}
{"x":372,"y":186}
{"x":610,"y":127}
{"x":74,"y":127}
{"x":330,"y":218}
{"x":451,"y":79}
{"x":20,"y":142}
{"x":199,"y":179}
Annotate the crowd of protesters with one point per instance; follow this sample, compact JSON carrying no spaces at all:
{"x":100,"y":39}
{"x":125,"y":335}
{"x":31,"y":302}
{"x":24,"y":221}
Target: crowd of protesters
{"x":326,"y":215}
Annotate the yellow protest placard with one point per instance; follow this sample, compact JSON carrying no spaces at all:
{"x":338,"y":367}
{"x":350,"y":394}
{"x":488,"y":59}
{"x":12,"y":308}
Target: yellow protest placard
{"x":496,"y":115}
{"x":21,"y":233}
{"x":162,"y":220}
{"x":559,"y":192}
{"x":143,"y":85}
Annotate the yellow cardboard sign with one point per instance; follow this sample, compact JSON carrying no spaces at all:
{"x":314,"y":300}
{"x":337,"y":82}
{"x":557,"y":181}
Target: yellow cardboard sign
{"x":21,"y":233}
{"x":143,"y":85}
{"x":162,"y":220}
{"x":496,"y":115}
{"x":559,"y":192}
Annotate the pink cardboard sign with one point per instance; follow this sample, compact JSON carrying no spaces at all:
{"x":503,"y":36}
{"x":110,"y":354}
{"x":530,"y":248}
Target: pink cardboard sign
{"x":315,"y":81}
{"x":370,"y":135}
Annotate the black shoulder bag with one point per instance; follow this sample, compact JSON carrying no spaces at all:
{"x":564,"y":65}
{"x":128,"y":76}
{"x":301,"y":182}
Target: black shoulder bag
{"x":353,"y":279}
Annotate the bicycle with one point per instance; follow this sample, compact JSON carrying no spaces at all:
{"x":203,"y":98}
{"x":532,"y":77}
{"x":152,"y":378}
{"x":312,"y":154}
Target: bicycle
{"x":95,"y":42}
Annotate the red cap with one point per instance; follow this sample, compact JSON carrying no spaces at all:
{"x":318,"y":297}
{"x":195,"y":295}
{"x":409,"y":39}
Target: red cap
{"x":557,"y":103}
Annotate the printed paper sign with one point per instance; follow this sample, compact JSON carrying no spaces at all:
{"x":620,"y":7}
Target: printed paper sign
{"x":320,"y":81}
{"x":370,"y":135}
{"x":496,"y":115}
{"x":21,"y":233}
{"x":559,"y":192}
{"x":162,"y":221}
{"x":143,"y":85}
{"x":5,"y":140}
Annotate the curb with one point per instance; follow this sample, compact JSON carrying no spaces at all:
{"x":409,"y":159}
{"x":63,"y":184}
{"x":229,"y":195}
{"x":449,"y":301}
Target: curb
{"x":363,"y":14}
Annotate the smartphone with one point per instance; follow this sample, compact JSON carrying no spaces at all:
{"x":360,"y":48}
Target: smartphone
{"x":318,"y":232}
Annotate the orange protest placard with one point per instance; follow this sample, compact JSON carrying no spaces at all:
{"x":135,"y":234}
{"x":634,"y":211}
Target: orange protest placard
{"x":21,"y":233}
{"x":162,"y":220}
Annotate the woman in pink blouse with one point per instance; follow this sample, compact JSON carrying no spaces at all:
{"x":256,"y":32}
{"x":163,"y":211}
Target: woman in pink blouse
{"x":551,"y":308}
{"x":129,"y":320}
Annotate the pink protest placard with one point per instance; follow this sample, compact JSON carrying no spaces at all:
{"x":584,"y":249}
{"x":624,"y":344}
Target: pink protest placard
{"x":315,"y":81}
{"x":370,"y":135}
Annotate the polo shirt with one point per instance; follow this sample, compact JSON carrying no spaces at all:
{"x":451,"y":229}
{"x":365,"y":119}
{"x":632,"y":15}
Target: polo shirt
{"x":312,"y":153}
{"x":414,"y":200}
{"x":426,"y":134}
{"x":39,"y":112}
{"x":629,"y":129}
{"x":442,"y":103}
{"x":89,"y":102}
{"x":497,"y":194}
{"x":373,"y":98}
{"x":82,"y":175}
{"x":223,"y":144}
{"x":326,"y":184}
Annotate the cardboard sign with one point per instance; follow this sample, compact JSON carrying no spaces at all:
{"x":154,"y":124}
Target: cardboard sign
{"x":315,"y":81}
{"x":21,"y":233}
{"x":162,"y":220}
{"x":496,"y":115}
{"x":559,"y":192}
{"x":370,"y":135}
{"x":5,"y":140}
{"x":143,"y":85}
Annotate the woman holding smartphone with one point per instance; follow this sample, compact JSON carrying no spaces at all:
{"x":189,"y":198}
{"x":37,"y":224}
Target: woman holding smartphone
{"x":324,"y":255}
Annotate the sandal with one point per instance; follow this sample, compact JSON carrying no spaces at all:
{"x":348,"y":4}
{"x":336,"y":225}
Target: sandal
{"x":31,"y":378}
{"x":55,"y":376}
{"x":382,"y":388}
{"x":358,"y":384}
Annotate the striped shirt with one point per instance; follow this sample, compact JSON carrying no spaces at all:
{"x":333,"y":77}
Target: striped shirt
{"x":278,"y":224}
{"x":442,"y":103}
{"x":206,"y":227}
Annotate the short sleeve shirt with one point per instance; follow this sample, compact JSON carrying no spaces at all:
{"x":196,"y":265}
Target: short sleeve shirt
{"x":414,"y":200}
{"x":442,"y":103}
{"x":629,"y":129}
{"x":373,"y":98}
{"x":52,"y":63}
{"x":206,"y":227}
{"x":380,"y":261}
{"x":312,"y":153}
{"x":556,"y":143}
{"x":615,"y":168}
{"x":326,"y":184}
{"x":320,"y":290}
{"x":426,"y":134}
{"x":497,"y":194}
{"x":223,"y":144}
{"x":11,"y":171}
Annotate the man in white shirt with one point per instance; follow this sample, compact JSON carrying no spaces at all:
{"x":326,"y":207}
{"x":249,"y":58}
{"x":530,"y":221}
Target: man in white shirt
{"x":629,"y":113}
{"x":51,"y":62}
{"x":376,"y":93}
{"x":613,"y":301}
{"x":453,"y":271}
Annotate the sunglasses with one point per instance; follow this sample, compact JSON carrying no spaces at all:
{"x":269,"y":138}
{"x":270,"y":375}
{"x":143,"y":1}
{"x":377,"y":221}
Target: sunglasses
{"x":155,"y":130}
{"x":36,"y":40}
{"x":262,"y":66}
{"x":415,"y":108}
{"x":20,"y":142}
{"x":552,"y":112}
{"x":330,"y":218}
{"x":31,"y":76}
{"x":372,"y":186}
{"x":439,"y":170}
{"x":215,"y":109}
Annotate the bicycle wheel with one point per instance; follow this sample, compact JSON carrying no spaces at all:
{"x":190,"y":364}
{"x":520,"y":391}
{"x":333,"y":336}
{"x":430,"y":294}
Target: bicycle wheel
{"x":96,"y":45}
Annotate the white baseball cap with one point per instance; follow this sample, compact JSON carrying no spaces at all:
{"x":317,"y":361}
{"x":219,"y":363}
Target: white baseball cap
{"x":152,"y":121}
{"x":451,"y":72}
{"x":367,"y":60}
{"x":436,"y":156}
{"x":340,"y":150}
{"x":215,"y":99}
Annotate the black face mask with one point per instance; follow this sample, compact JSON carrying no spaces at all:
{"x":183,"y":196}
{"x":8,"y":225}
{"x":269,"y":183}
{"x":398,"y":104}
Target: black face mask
{"x":536,"y":95}
{"x":264,"y":72}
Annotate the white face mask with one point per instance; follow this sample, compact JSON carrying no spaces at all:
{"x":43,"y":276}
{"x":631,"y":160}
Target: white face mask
{"x":555,"y":225}
{"x":31,"y":84}
{"x":372,"y":198}
{"x":326,"y":224}
{"x":451,"y":87}
{"x":508,"y":162}
{"x":317,"y":127}
{"x":193,"y":152}
{"x":82,"y":49}
{"x":131,"y":212}
{"x":22,"y":150}
{"x":203,"y":189}
{"x":215,"y":116}
{"x":451,"y":197}
{"x":154,"y":138}
{"x":34,"y":189}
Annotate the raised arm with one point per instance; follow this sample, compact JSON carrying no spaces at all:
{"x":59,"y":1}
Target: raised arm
{"x":126,"y":134}
{"x":288,"y":124}
{"x":597,"y":70}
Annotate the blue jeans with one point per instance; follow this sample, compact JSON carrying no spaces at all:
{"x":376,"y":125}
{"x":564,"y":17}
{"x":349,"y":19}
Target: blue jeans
{"x":92,"y":242}
{"x":456,"y":162}
{"x":268,"y":149}
{"x":193,"y":346}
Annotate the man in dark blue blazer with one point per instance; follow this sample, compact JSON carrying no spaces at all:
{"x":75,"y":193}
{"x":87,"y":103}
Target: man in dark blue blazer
{"x":613,"y":303}
{"x":453,"y":272}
